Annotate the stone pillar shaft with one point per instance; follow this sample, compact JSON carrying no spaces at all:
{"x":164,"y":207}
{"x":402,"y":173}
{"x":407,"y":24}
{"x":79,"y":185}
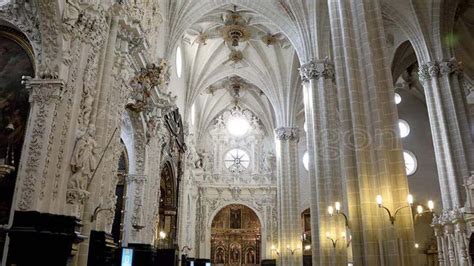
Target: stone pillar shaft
{"x":289,"y":221}
{"x":371,"y":152}
{"x":448,"y":116}
{"x":324,"y":167}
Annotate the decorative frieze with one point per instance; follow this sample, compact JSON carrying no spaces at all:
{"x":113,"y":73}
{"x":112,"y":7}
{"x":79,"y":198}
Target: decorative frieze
{"x":287,"y":133}
{"x":437,"y":69}
{"x":138,"y":179}
{"x":317,"y":69}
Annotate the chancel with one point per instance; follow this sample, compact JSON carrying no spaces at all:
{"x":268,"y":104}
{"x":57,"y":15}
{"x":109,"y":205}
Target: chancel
{"x":236,"y":133}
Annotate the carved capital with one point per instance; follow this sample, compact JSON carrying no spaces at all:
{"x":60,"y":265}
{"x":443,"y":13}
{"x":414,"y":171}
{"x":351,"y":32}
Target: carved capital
{"x":317,"y":69}
{"x":139,"y":179}
{"x":77,"y":196}
{"x":436,"y":69}
{"x":287,"y":133}
{"x":44,"y":91}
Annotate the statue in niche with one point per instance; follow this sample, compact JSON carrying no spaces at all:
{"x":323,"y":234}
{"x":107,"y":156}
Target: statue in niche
{"x":235,"y":255}
{"x":83,"y":160}
{"x":235,"y":218}
{"x":206,"y":161}
{"x":267,"y":162}
{"x":250,"y":257}
{"x":192,"y":157}
{"x":220,"y":122}
{"x":220,"y":256}
{"x":254,"y":123}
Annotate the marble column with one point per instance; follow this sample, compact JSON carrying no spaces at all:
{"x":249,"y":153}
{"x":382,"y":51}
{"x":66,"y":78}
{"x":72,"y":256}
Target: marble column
{"x":320,"y":102}
{"x":289,"y":220}
{"x":371,"y":153}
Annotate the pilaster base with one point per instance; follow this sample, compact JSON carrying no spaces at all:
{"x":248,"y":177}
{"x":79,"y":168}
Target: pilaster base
{"x":144,"y":254}
{"x":102,"y":250}
{"x":42,"y":238}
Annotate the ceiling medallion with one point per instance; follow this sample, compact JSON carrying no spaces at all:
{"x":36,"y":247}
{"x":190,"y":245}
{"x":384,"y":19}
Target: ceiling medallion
{"x":234,"y":34}
{"x":236,"y":56}
{"x":269,"y":39}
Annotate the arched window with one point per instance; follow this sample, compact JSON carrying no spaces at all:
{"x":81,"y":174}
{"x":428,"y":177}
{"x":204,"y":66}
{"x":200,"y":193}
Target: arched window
{"x":179,"y":62}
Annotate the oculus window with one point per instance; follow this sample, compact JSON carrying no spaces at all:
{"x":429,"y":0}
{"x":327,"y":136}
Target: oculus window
{"x":237,"y":160}
{"x":403,"y":127}
{"x":397,"y":98}
{"x":410,"y":162}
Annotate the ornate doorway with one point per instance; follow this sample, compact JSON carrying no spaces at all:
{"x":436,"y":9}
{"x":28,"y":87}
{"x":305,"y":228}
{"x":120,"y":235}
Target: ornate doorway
{"x":235,"y":237}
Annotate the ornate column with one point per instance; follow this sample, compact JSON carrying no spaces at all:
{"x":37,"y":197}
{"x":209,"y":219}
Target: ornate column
{"x":450,"y":230}
{"x":134,"y":215}
{"x":289,"y":221}
{"x":54,"y":243}
{"x":45,"y":96}
{"x":322,"y":140}
{"x":370,"y":148}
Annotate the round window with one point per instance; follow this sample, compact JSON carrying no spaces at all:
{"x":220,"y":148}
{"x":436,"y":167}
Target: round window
{"x":237,"y":160}
{"x":410,"y":162}
{"x":403,"y":127}
{"x":397,"y":98}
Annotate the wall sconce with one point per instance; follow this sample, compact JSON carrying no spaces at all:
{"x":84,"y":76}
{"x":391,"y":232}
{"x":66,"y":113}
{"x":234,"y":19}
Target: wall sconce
{"x":162,"y":235}
{"x":274,"y":249}
{"x":334,"y":241}
{"x":307,"y":247}
{"x":390,"y":216}
{"x":420,"y":211}
{"x":337,"y":206}
{"x":292,"y":251}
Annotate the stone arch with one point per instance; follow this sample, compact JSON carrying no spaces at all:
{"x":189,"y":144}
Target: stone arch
{"x":133,"y":131}
{"x":21,"y":20}
{"x":235,"y":202}
{"x":16,"y":60}
{"x":403,"y":58}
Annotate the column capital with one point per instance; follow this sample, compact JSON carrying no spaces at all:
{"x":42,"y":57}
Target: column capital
{"x":135,"y":178}
{"x":287,"y":133}
{"x":317,"y":69}
{"x":438,"y":68}
{"x":44,"y":90}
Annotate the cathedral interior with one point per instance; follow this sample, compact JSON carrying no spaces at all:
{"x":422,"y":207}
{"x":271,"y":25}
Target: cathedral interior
{"x":236,"y":132}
